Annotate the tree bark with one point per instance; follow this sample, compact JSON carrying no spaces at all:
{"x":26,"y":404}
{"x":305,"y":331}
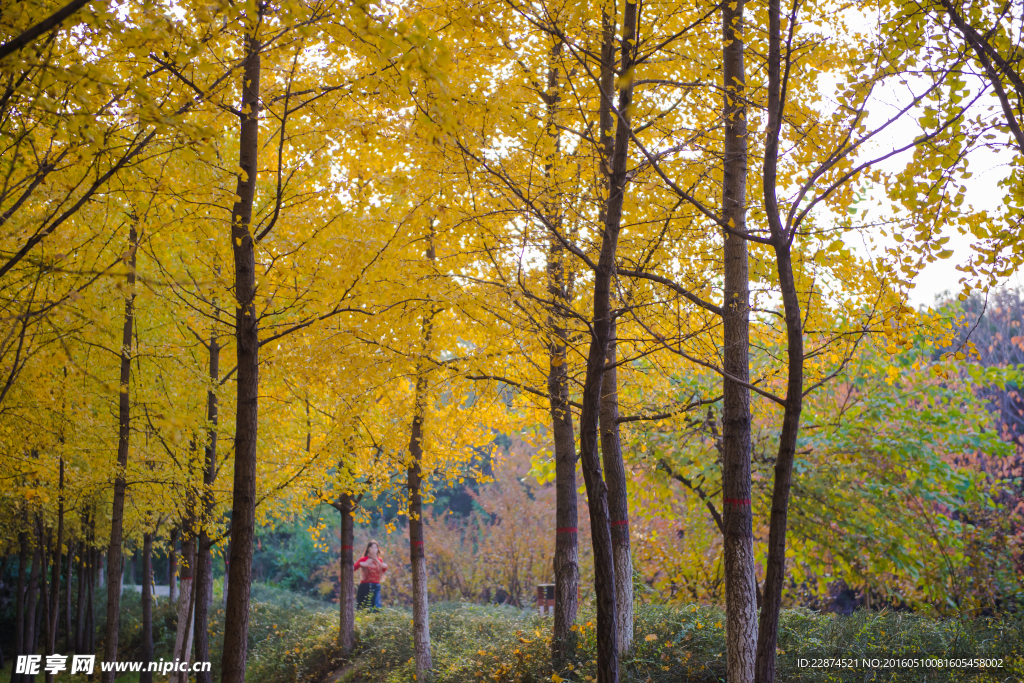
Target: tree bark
{"x":69,"y":572}
{"x":243,"y":506}
{"x":768,"y":627}
{"x":618,"y":502}
{"x":54,"y":620}
{"x":172,"y":565}
{"x":32,"y":600}
{"x":346,"y":578}
{"x":740,"y":580}
{"x":79,"y":646}
{"x":120,"y":483}
{"x":566,"y":560}
{"x":417,"y":553}
{"x":204,"y":562}
{"x":597,"y":494}
{"x":147,"y":607}
{"x":42,"y":624}
{"x":19,"y":602}
{"x":90,"y":621}
{"x":186,"y":603}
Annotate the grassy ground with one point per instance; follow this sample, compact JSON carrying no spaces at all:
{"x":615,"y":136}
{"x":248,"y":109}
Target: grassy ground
{"x":292,"y":640}
{"x":676,"y":644}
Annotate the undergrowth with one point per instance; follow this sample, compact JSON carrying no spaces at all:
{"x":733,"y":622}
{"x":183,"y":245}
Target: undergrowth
{"x":292,"y":639}
{"x":471,"y":644}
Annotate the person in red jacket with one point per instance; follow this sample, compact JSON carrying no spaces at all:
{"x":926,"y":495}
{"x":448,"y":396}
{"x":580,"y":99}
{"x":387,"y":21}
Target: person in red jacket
{"x":373,"y":568}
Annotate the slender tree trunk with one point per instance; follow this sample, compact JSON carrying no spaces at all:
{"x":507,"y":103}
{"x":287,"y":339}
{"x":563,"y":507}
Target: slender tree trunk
{"x":417,"y":552}
{"x":114,"y":558}
{"x":346,"y":579}
{"x":147,"y":607}
{"x":740,"y":580}
{"x":768,"y":627}
{"x":79,"y":646}
{"x":243,"y":507}
{"x":172,"y":565}
{"x":19,"y":602}
{"x":186,"y":598}
{"x":90,"y":620}
{"x":566,"y":561}
{"x":618,"y":502}
{"x":204,"y":564}
{"x":227,"y":572}
{"x":597,"y":494}
{"x":54,"y":621}
{"x":42,"y":625}
{"x":69,"y":573}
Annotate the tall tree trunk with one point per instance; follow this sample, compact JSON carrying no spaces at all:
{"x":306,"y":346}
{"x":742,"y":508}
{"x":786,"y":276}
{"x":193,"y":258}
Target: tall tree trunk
{"x":618,"y":502}
{"x":124,"y":434}
{"x":42,"y":625}
{"x":90,"y":620}
{"x":79,"y":646}
{"x":768,"y":627}
{"x":39,"y":605}
{"x":204,"y":563}
{"x":243,"y":506}
{"x":19,"y":602}
{"x":69,"y":573}
{"x":597,"y":493}
{"x":227,"y":573}
{"x":417,"y":551}
{"x":740,"y":580}
{"x":172,"y":565}
{"x":346,"y":579}
{"x":147,"y":607}
{"x":566,"y":560}
{"x":186,"y":600}
{"x":54,"y":621}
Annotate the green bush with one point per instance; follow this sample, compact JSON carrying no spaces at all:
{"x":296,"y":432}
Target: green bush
{"x":291,"y":638}
{"x":472,"y":643}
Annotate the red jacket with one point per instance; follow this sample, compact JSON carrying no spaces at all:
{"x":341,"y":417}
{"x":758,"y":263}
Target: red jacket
{"x":372,"y":570}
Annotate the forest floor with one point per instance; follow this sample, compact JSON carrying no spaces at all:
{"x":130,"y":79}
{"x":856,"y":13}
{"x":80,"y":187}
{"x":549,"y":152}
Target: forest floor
{"x":292,"y":639}
{"x":687,"y":643}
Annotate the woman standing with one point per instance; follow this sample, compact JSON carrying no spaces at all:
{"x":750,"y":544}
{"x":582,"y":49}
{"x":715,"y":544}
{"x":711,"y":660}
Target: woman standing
{"x":373,"y":568}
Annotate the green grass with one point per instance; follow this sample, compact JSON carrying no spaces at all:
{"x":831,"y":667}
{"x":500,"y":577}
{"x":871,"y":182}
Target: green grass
{"x":472,"y":643}
{"x":292,"y":639}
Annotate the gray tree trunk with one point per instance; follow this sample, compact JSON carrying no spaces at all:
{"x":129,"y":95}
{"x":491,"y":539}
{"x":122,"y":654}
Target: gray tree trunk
{"x":243,"y":507}
{"x":618,"y":500}
{"x":54,"y":620}
{"x":172,"y":565}
{"x":19,"y":602}
{"x":204,"y":559}
{"x":147,"y":607}
{"x":186,"y":606}
{"x":768,"y":627}
{"x":417,"y":551}
{"x":346,"y":578}
{"x":124,"y":434}
{"x":740,"y":580}
{"x":566,"y":560}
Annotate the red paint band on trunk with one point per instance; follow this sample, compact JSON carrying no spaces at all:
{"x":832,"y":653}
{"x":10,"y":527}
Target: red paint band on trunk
{"x":417,"y":542}
{"x":736,"y":501}
{"x":566,"y":530}
{"x":346,"y":547}
{"x":620,"y":522}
